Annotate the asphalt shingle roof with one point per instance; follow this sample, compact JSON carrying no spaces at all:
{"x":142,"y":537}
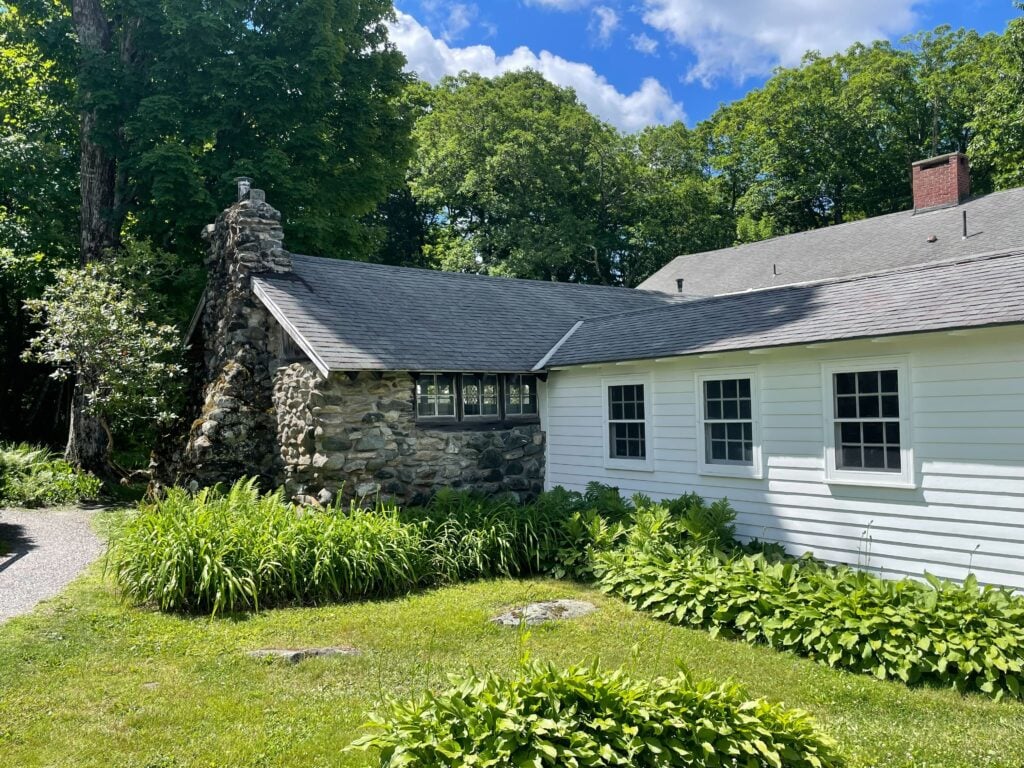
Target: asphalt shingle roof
{"x":351,"y":315}
{"x":995,"y":222}
{"x":985,"y":290}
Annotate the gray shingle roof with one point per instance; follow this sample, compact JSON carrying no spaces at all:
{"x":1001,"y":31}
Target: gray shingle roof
{"x":994,"y":223}
{"x":985,"y":290}
{"x":350,"y":315}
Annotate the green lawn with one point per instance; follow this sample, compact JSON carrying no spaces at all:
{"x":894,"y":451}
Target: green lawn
{"x":87,"y":681}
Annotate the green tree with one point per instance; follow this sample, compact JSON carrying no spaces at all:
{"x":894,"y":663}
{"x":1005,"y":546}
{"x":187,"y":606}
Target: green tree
{"x":94,"y":328}
{"x":832,"y":139}
{"x":997,"y":143}
{"x":821,"y":143}
{"x":167,"y":102}
{"x":518,"y":169}
{"x":953,"y":70}
{"x":38,"y":216}
{"x":677,"y":207}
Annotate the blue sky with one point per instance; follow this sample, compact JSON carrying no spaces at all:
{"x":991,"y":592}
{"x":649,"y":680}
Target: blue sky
{"x":639,"y":62}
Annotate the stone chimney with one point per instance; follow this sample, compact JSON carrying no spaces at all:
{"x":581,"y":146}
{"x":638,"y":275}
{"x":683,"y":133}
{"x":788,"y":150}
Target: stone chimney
{"x":941,"y":181}
{"x":235,"y":433}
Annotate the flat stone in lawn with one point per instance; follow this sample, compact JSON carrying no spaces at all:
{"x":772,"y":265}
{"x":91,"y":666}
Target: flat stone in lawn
{"x":548,"y":610}
{"x":295,"y":655}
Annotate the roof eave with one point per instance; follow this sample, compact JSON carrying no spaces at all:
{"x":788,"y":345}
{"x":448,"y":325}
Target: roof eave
{"x":555,"y":364}
{"x":290,"y":329}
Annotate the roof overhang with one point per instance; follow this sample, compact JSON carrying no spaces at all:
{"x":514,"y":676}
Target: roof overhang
{"x":300,"y":341}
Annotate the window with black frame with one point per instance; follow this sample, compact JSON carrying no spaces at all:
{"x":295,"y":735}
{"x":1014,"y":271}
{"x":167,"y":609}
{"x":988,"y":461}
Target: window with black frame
{"x":435,"y":395}
{"x":480,"y":395}
{"x":520,"y":395}
{"x":476,"y":397}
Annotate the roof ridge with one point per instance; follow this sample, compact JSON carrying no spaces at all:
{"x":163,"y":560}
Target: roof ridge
{"x":911,"y":268}
{"x":478,"y":276}
{"x":909,"y":213}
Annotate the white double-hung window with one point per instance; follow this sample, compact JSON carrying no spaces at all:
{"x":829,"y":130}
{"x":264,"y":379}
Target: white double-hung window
{"x":628,"y":440}
{"x":728,"y":440}
{"x":867,"y":423}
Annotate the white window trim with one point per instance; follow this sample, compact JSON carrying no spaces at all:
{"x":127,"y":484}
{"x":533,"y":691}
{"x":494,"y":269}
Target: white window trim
{"x":905,"y":478}
{"x":645,"y":464}
{"x":755,"y":470}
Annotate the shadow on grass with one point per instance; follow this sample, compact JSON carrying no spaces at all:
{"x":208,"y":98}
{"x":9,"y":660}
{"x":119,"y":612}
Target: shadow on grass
{"x":14,"y":544}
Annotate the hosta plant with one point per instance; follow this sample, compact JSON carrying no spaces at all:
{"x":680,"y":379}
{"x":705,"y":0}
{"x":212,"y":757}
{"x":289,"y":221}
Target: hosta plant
{"x":32,"y":477}
{"x":583,"y":716}
{"x":939,"y":632}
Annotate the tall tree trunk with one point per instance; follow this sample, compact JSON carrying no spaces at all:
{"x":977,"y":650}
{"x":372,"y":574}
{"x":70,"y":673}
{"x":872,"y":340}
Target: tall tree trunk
{"x":97,"y":163}
{"x":87,"y":443}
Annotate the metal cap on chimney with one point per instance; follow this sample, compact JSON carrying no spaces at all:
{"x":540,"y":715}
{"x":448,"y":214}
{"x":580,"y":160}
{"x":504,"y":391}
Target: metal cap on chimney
{"x":244,"y":185}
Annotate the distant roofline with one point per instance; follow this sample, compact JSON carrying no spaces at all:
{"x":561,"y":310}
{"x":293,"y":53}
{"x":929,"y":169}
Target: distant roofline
{"x":909,"y":213}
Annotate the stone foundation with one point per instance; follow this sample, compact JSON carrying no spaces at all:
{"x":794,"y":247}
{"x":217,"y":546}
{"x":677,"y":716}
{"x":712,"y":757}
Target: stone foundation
{"x":357,"y":437}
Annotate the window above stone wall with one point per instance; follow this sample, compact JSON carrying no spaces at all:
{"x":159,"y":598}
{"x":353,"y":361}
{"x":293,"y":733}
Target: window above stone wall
{"x":475,"y":398}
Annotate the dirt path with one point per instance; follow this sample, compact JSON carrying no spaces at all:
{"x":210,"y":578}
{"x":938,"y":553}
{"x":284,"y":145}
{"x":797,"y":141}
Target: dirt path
{"x":41,"y":551}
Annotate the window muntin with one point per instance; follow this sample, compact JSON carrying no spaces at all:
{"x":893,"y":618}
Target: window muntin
{"x":627,"y":428}
{"x":866,"y":414}
{"x":480,"y":395}
{"x":728,"y":421}
{"x":520,"y":395}
{"x":435,"y":395}
{"x":477,"y":397}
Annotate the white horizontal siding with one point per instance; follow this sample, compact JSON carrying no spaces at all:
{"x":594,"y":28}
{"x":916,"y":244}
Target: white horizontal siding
{"x":966,"y":511}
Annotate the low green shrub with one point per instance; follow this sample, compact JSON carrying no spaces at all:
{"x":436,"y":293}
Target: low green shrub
{"x":940,"y":632}
{"x":583,"y":716}
{"x":35,"y":477}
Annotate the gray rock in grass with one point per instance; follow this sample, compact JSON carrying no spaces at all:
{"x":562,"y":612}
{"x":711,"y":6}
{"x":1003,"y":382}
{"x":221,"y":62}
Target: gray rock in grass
{"x":295,"y":655}
{"x":548,"y":610}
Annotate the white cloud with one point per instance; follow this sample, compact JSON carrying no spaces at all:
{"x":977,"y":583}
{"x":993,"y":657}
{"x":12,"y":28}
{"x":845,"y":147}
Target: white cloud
{"x":432,"y":59}
{"x":559,"y":5}
{"x":644,"y":43}
{"x":740,"y":38}
{"x":603,"y":23}
{"x":460,"y":17}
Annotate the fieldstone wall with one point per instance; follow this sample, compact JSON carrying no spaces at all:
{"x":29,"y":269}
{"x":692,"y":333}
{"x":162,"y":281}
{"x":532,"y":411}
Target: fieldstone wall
{"x":358,"y":437}
{"x":264,"y":414}
{"x":235,"y":433}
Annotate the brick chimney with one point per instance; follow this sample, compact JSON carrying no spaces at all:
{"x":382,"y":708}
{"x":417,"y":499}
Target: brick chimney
{"x":941,"y":181}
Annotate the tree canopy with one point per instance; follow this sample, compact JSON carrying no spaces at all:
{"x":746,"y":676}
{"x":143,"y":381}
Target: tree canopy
{"x":164,"y":103}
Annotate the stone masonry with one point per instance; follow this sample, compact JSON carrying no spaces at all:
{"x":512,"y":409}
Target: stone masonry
{"x":357,"y":436}
{"x":351,"y":435}
{"x":236,"y":431}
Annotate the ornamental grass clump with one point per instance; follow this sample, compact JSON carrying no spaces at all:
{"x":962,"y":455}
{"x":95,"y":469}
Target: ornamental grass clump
{"x":219,"y":552}
{"x":472,"y":536}
{"x":937,"y":632}
{"x":583,"y":716}
{"x":34,"y":477}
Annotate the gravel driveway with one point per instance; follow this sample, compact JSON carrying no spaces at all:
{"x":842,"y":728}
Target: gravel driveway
{"x":45,"y":550}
